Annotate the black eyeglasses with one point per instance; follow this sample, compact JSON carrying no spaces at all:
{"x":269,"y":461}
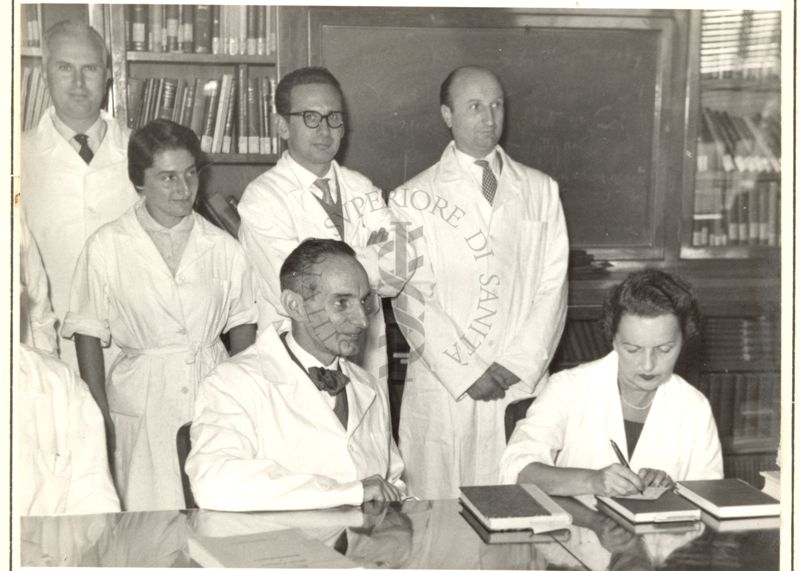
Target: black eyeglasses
{"x":312,"y":119}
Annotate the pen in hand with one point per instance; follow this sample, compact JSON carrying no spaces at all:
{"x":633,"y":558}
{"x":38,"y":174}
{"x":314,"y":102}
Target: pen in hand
{"x":621,"y":457}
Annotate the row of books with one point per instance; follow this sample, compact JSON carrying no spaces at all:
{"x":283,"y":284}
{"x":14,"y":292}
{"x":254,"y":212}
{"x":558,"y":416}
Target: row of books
{"x":202,"y":29}
{"x":582,"y":341}
{"x":35,"y":96}
{"x":734,"y":143}
{"x":735,"y":209}
{"x":741,"y":340}
{"x":231,"y":114}
{"x":31,"y":25}
{"x":745,"y":405}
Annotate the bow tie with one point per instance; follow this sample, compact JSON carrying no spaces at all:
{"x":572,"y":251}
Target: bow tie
{"x":328,"y":380}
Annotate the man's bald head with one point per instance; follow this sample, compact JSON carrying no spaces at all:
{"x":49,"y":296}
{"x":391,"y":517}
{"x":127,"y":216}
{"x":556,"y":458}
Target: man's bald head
{"x":463,"y":73}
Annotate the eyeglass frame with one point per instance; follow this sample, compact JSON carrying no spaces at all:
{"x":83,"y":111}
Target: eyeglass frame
{"x":322,"y":117}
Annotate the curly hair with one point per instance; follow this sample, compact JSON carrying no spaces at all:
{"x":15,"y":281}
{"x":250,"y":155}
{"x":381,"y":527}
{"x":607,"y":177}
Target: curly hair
{"x":650,"y":293}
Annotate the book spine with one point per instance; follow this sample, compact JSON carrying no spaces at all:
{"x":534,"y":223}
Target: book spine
{"x":216,"y":29}
{"x":180,"y":95}
{"x":253,"y":116}
{"x":196,"y":121}
{"x":261,"y":30}
{"x":188,"y":104}
{"x":232,"y":18}
{"x":187,"y":29}
{"x":773,"y":213}
{"x":273,"y":139}
{"x":242,"y":116}
{"x":227,"y":132}
{"x":138,"y":41}
{"x":251,"y":23}
{"x":241,"y":12}
{"x":272,"y":33}
{"x":222,"y":112}
{"x":202,"y":29}
{"x":171,"y":16}
{"x":211,"y":91}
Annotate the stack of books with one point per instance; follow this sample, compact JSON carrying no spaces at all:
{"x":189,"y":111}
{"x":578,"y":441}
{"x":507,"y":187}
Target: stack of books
{"x":35,"y":96}
{"x":202,"y":29}
{"x":232,"y":114}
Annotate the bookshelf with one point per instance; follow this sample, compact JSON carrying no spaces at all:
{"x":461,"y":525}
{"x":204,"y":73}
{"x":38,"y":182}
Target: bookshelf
{"x":35,"y":97}
{"x":732,"y":199}
{"x":203,"y":66}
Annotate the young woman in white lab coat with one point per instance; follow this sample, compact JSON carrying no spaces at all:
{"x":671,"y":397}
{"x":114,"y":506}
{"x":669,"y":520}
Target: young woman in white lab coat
{"x":662,"y":426}
{"x":162,"y":284}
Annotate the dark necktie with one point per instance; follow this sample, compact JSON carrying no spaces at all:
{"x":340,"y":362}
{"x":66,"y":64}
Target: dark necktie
{"x":324,"y":186}
{"x":85,"y":152}
{"x":333,"y":383}
{"x":489,"y":185}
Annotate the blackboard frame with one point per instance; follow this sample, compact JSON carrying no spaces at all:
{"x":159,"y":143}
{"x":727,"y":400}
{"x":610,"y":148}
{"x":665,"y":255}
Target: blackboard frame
{"x":663,"y":197}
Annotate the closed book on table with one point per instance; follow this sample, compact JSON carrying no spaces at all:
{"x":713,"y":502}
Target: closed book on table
{"x":514,"y":506}
{"x":729,"y":498}
{"x":513,"y":535}
{"x":731,"y":524}
{"x":667,"y":508}
{"x":649,"y":527}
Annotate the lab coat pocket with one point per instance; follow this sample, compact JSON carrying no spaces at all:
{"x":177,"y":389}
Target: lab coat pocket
{"x":127,"y":386}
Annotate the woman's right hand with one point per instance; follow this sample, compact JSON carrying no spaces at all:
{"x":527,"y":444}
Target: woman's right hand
{"x":616,"y":480}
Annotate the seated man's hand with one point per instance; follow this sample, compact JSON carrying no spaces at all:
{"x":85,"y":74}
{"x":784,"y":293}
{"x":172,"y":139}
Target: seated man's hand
{"x":652,"y":477}
{"x":486,"y":387}
{"x":377,"y":237}
{"x":503,"y":376}
{"x":376,"y":489}
{"x":616,"y":480}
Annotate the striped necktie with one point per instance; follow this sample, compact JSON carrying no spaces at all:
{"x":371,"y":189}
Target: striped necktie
{"x":324,"y":186}
{"x":85,"y":151}
{"x":489,"y":184}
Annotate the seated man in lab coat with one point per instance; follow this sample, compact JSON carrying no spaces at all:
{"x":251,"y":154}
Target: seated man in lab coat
{"x":62,"y":467}
{"x":74,"y":173}
{"x":290,"y":423}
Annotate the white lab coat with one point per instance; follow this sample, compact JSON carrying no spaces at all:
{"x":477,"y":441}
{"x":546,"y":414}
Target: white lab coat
{"x":579,"y":411}
{"x":278,"y":213}
{"x":63,"y":467}
{"x":487,"y":291}
{"x":39,"y":328}
{"x":168,"y":331}
{"x":264,"y":437}
{"x":65,"y":201}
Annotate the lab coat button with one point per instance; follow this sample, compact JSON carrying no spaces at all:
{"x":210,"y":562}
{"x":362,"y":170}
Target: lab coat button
{"x":185,"y":390}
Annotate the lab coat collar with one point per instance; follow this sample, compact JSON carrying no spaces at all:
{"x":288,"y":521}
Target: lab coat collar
{"x":48,"y":138}
{"x":274,"y":362}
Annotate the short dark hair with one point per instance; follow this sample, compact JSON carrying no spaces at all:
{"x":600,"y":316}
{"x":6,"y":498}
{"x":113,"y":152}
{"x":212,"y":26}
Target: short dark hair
{"x":302,"y":76}
{"x":650,"y":293}
{"x":445,"y":95}
{"x":157,"y":136}
{"x":297,"y":267}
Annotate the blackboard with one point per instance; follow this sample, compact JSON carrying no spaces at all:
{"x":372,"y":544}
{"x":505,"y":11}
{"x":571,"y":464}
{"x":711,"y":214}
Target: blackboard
{"x":583,"y":105}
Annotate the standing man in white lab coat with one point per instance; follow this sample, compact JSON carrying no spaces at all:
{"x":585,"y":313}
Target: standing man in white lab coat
{"x":290,"y":423}
{"x":484,"y":313}
{"x":74,"y":166}
{"x":308,"y":194}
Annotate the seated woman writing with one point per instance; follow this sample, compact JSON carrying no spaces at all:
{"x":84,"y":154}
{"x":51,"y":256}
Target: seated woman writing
{"x":662,"y":425}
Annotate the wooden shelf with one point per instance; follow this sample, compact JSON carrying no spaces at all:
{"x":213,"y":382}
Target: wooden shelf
{"x":740,"y":367}
{"x":741,"y":84}
{"x":240,"y":159}
{"x":730,"y":252}
{"x":212,"y":59}
{"x":749,"y":445}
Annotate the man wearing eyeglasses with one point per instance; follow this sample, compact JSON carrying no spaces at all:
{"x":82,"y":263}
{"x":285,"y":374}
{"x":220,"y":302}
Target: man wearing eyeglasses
{"x":290,"y":423}
{"x":308,"y":194}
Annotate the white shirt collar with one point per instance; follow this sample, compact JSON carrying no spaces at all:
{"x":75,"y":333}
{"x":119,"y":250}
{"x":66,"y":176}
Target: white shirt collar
{"x":308,"y":178}
{"x":95,"y":133}
{"x":467,"y":162}
{"x":307,"y":359}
